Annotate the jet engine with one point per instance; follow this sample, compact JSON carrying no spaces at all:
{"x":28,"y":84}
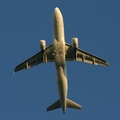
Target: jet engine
{"x":75,"y":42}
{"x":42,"y":44}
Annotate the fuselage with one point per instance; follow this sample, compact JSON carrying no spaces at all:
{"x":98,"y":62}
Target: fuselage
{"x":59,"y":56}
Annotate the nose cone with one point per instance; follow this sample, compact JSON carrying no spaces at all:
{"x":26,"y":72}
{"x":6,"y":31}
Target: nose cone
{"x":57,"y":15}
{"x":57,"y":10}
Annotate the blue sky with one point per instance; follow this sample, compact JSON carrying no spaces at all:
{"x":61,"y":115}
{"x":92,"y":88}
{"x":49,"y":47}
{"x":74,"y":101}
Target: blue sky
{"x":26,"y":94}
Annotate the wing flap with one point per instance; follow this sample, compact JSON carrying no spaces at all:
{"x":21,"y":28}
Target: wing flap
{"x":40,"y":57}
{"x":69,"y":52}
{"x":80,"y":55}
{"x":36,"y":59}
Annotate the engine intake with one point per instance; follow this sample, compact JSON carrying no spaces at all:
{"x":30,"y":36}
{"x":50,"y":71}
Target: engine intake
{"x":75,"y":42}
{"x":42,"y":44}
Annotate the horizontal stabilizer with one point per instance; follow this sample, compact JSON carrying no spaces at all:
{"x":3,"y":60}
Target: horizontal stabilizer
{"x":55,"y":105}
{"x":71,"y":104}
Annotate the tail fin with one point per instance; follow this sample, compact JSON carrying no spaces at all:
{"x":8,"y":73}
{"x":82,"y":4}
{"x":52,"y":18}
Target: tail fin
{"x":71,"y":104}
{"x":55,"y":105}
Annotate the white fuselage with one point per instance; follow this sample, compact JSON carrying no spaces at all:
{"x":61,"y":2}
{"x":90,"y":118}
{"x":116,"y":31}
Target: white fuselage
{"x":59,"y":56}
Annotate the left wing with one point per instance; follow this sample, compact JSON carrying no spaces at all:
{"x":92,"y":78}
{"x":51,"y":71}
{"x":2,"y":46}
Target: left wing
{"x":80,"y":55}
{"x":42,"y":56}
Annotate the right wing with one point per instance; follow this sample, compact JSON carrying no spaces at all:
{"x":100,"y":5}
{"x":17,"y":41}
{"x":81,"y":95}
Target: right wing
{"x":80,"y":55}
{"x":42,"y":56}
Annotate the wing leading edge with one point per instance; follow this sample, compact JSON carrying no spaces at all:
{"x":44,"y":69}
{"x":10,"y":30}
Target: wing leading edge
{"x":80,"y":55}
{"x":42,"y":56}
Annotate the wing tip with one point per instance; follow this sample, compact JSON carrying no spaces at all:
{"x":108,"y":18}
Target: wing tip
{"x":14,"y":71}
{"x":107,"y":64}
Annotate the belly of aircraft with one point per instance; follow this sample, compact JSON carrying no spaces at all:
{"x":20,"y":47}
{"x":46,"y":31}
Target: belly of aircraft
{"x":59,"y":53}
{"x":62,"y":85}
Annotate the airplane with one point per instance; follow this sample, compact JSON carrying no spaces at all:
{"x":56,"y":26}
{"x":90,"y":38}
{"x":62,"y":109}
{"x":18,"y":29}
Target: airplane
{"x":60,"y":52}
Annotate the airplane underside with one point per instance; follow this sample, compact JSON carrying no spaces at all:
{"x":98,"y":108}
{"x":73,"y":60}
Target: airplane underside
{"x":60,"y":52}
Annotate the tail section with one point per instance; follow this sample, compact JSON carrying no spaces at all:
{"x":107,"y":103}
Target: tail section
{"x":55,"y":105}
{"x":69,"y":104}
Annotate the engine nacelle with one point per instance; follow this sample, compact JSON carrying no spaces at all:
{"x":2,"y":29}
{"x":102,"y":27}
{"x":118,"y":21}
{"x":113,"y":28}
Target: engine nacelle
{"x":75,"y":42}
{"x":42,"y":44}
